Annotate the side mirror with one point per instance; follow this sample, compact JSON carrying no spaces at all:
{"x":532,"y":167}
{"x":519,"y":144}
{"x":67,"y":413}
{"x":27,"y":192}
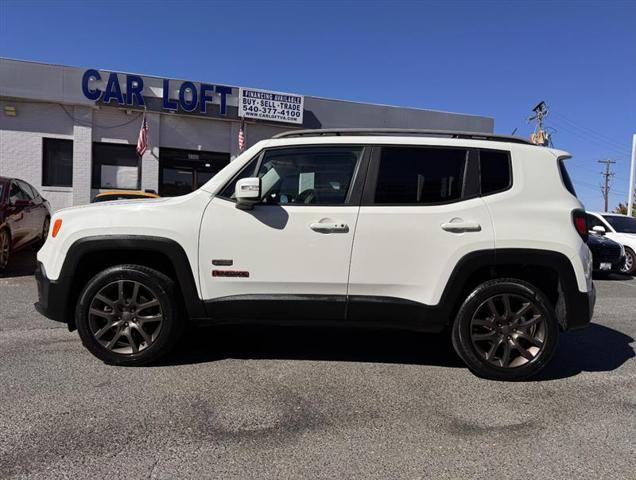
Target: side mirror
{"x":599,"y":229}
{"x":247,"y":192}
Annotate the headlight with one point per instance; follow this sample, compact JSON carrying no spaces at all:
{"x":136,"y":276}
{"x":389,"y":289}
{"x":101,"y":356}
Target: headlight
{"x":622,"y":250}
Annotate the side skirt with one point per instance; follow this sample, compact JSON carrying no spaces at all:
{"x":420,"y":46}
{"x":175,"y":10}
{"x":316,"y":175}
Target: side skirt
{"x":324,"y":310}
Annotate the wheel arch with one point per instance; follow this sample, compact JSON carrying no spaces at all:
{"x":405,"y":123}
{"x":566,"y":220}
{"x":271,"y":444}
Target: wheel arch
{"x":551,"y":272}
{"x":88,"y":256}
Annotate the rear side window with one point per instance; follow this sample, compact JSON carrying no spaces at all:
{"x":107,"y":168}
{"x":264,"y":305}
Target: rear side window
{"x":495,"y":171}
{"x":565,"y":177}
{"x":420,"y":175}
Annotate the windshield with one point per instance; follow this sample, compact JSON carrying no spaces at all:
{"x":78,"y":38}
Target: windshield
{"x":621,"y":224}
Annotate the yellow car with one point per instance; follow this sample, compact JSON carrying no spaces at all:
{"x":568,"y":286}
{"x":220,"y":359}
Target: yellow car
{"x":124,"y":195}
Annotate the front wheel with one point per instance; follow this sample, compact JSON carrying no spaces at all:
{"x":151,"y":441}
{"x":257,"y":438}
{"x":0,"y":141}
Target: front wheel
{"x":630,"y":262}
{"x":506,"y":330}
{"x":126,"y":315}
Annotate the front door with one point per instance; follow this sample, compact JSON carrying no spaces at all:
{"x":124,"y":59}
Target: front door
{"x":287,"y":258}
{"x":18,"y":215}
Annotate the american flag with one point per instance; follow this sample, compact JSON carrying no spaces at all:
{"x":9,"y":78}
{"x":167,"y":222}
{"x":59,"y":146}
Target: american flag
{"x":142,"y":141}
{"x":241,"y":136}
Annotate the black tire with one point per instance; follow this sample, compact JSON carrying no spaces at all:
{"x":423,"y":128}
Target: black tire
{"x":5,"y":248}
{"x":629,"y":253}
{"x":473,"y":330}
{"x":155,"y":286}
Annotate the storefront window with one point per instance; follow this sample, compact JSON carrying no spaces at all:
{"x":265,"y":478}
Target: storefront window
{"x":57,"y":162}
{"x":115,"y":166}
{"x":182,"y":171}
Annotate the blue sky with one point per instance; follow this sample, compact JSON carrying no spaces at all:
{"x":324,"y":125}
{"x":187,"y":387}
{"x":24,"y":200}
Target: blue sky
{"x":491,"y":58}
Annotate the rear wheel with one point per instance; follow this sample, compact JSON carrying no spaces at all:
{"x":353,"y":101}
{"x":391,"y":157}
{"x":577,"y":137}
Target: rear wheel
{"x":506,"y":330}
{"x":630,"y":262}
{"x":127,"y":315}
{"x":5,"y":248}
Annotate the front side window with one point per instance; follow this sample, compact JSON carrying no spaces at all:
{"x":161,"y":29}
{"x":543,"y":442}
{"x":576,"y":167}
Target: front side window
{"x":115,"y":166}
{"x":308,"y":176}
{"x":28,"y":190}
{"x":248,"y":171}
{"x":57,"y":162}
{"x":420,"y":175}
{"x":16,"y":193}
{"x":621,"y":224}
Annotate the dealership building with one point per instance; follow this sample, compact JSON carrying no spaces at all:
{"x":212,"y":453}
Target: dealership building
{"x":72,"y":132}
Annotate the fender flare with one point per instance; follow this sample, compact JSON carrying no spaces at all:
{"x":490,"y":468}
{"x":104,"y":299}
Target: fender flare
{"x":165,"y":246}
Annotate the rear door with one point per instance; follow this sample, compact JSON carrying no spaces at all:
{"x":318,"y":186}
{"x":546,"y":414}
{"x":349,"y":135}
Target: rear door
{"x":420,"y":214}
{"x":288,"y":257}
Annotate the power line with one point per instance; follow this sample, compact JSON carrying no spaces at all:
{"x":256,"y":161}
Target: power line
{"x":583,"y":136}
{"x":590,"y":131}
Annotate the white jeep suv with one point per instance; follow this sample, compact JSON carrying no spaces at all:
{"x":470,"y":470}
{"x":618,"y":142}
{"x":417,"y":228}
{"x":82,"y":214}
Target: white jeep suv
{"x":480,"y":234}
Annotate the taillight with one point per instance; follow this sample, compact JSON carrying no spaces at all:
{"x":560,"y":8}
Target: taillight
{"x":56,"y":227}
{"x":580,"y":223}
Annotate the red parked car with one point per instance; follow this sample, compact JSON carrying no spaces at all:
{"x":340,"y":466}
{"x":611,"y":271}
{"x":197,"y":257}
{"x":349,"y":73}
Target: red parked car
{"x":25,"y":217}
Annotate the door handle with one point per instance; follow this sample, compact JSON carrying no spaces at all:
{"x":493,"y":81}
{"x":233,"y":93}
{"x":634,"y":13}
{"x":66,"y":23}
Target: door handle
{"x":329,"y":227}
{"x":459,"y":226}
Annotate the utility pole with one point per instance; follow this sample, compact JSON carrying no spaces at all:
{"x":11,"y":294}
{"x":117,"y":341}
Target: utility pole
{"x":607,"y":174}
{"x":540,"y":136}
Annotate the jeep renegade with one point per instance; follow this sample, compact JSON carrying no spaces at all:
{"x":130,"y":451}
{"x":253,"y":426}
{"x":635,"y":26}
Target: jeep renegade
{"x":479,"y":234}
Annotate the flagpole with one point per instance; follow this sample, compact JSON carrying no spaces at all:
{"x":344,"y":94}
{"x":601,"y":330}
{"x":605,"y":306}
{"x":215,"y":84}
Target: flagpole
{"x":630,"y":195}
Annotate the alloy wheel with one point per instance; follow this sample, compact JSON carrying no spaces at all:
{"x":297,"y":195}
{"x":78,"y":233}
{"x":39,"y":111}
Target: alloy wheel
{"x":508,"y":330}
{"x":629,"y":262}
{"x":5,"y":249}
{"x":125,"y":317}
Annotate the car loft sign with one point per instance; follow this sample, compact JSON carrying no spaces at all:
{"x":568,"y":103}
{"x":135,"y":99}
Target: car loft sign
{"x":192,"y":98}
{"x":274,"y":106}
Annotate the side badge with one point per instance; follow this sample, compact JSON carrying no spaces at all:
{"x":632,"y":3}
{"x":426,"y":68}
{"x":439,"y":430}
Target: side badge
{"x":219,"y":262}
{"x":231,"y":273}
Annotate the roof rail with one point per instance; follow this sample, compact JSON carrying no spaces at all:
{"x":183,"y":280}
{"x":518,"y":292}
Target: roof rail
{"x":402,"y":132}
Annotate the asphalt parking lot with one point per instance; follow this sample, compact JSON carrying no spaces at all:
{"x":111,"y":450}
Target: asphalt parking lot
{"x":294,"y":403}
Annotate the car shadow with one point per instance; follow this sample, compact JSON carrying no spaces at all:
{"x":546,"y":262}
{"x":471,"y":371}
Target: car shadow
{"x":612,"y":276}
{"x":313,"y":343}
{"x":593,"y":349}
{"x":21,"y":264}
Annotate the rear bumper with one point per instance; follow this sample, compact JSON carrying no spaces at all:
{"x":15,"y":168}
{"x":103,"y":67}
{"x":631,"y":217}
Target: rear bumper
{"x":52,"y":296}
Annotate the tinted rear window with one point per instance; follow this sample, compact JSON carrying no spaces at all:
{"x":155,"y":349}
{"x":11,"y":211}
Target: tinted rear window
{"x":565,"y":176}
{"x":419,"y":175}
{"x":495,"y":171}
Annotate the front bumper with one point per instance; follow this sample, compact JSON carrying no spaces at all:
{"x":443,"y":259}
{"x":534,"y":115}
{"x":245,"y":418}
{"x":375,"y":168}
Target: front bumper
{"x":52,"y":296}
{"x":617,"y":265}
